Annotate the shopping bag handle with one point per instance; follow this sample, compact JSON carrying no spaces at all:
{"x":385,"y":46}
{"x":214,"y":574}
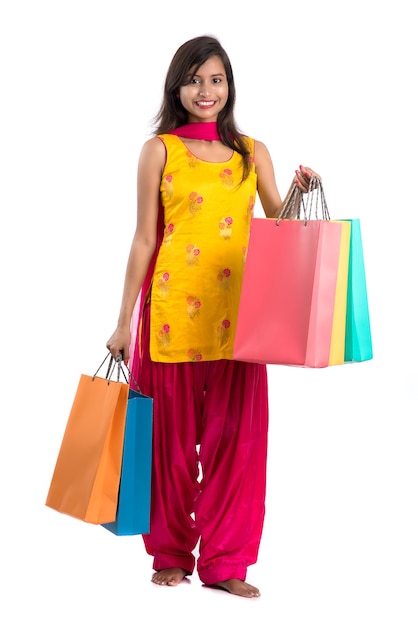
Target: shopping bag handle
{"x":118,"y":362}
{"x":291,"y":204}
{"x":316,"y":191}
{"x":295,"y":198}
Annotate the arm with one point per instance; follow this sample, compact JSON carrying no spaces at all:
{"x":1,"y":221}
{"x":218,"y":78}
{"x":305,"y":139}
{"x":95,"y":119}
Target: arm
{"x":266,"y":182}
{"x":150,"y":167}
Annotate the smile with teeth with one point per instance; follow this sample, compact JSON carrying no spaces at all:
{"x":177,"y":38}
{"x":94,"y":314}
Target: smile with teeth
{"x":205,"y":103}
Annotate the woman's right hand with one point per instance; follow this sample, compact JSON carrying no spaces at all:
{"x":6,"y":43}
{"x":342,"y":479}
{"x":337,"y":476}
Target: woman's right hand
{"x":119,"y":343}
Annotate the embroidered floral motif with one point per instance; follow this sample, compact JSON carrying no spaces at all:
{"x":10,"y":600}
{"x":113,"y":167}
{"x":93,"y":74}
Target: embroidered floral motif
{"x":192,"y":254}
{"x":168,"y":233}
{"x":163,"y":285}
{"x":194,"y":202}
{"x":250,"y":209}
{"x":194,"y":354}
{"x":192,"y":159}
{"x":164,"y":336}
{"x":193,"y":306}
{"x":227,"y":178}
{"x":168,"y":185}
{"x":225,"y":227}
{"x":223,"y":278}
{"x":223,"y":331}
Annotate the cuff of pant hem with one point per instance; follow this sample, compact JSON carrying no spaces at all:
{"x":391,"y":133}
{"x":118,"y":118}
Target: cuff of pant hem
{"x":214,"y":575}
{"x":166,"y":562}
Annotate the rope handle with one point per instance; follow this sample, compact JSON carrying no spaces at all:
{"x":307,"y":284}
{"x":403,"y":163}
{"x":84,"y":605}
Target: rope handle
{"x":315,"y":193}
{"x":118,"y":362}
{"x":293,"y":199}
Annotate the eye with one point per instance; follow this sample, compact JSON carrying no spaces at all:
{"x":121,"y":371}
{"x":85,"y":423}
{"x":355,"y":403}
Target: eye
{"x":217,"y":80}
{"x":194,"y":81}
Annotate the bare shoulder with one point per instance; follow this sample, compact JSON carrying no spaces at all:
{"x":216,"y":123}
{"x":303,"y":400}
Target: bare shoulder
{"x":261,"y":150}
{"x":153,"y":155}
{"x":262,"y":158}
{"x":153,"y":148}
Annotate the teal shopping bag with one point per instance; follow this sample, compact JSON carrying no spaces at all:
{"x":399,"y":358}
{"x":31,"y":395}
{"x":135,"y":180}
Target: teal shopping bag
{"x":133,"y":509}
{"x":358,"y":339}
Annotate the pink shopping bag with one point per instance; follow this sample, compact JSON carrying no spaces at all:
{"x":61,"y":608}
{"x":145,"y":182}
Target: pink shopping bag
{"x":288,"y":292}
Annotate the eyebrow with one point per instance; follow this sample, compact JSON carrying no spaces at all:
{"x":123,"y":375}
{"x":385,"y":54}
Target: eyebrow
{"x":199,"y":76}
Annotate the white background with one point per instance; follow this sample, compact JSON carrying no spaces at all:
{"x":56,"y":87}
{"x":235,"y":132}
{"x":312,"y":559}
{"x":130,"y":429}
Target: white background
{"x":326,"y":84}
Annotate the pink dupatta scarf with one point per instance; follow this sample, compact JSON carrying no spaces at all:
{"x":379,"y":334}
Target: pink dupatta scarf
{"x":207,"y":131}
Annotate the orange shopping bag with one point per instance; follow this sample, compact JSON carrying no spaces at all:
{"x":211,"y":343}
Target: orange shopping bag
{"x":85,"y":482}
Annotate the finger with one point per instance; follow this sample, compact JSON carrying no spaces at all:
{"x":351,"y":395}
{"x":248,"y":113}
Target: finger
{"x":123,"y":354}
{"x":301,"y":181}
{"x":117,"y":353}
{"x":109,"y":347}
{"x":308,"y":172}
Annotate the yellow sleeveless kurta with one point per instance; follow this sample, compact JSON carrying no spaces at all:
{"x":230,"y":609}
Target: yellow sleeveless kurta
{"x":199,"y":268}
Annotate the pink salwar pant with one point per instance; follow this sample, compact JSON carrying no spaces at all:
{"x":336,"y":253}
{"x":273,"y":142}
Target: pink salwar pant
{"x":223,"y":406}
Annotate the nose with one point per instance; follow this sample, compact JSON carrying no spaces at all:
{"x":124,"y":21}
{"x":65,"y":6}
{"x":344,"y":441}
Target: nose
{"x":204,"y":90}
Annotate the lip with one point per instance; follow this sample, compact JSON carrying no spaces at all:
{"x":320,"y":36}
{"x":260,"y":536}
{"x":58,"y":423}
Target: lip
{"x":205,"y":104}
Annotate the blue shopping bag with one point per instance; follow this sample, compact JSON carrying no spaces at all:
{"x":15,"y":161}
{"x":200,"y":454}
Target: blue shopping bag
{"x":133,"y":509}
{"x":358,"y":339}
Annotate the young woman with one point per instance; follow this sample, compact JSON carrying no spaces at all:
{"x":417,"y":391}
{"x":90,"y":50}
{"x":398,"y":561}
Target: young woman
{"x":198,"y":179}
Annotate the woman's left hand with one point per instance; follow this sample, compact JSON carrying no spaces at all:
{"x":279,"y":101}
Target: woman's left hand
{"x":303,"y":176}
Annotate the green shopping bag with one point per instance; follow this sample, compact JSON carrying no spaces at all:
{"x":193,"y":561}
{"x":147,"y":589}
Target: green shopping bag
{"x":358,"y":339}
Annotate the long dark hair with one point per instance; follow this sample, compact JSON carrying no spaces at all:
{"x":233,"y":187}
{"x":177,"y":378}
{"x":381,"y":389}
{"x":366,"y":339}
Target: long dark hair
{"x":190,"y":56}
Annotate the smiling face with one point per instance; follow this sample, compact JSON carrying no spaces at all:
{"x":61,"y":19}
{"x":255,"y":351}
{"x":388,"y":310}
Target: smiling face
{"x":205,"y":93}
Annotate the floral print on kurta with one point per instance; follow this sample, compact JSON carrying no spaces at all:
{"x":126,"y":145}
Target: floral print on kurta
{"x":199,"y":268}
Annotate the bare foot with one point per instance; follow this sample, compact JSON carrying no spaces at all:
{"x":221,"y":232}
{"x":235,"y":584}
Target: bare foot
{"x":238,"y":588}
{"x":171,"y":576}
